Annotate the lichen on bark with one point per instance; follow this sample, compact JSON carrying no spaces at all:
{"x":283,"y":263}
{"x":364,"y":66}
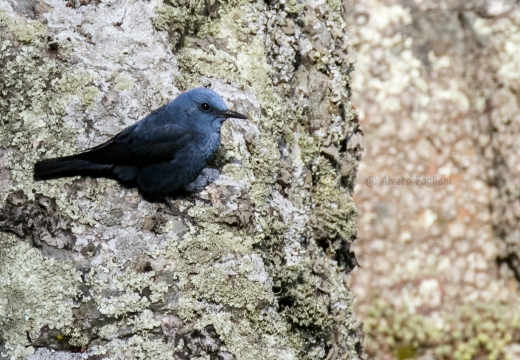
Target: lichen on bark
{"x":263,"y":271}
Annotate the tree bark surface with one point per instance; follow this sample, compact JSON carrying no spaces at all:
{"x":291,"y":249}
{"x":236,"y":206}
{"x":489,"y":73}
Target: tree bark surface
{"x":90,"y":270}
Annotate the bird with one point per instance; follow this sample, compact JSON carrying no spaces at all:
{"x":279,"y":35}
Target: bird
{"x":161,"y":153}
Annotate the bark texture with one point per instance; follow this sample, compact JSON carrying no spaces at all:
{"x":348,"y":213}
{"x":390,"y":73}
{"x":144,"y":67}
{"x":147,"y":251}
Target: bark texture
{"x":89,"y":270}
{"x":438,"y":88}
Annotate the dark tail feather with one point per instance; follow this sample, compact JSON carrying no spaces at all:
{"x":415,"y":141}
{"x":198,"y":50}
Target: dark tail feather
{"x":65,"y":166}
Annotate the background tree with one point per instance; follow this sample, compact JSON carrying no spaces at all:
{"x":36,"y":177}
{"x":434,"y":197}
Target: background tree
{"x":88,"y":266}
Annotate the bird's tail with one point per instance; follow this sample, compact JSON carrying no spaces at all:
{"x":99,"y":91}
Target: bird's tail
{"x":65,"y":166}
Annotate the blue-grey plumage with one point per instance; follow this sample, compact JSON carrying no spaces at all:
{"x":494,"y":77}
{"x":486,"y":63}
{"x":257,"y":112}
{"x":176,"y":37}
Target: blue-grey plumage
{"x":161,"y":153}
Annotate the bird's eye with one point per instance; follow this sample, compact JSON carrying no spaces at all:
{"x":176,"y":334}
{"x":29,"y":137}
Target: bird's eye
{"x":204,"y":106}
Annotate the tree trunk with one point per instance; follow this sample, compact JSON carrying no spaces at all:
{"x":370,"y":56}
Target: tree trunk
{"x":257,"y":265}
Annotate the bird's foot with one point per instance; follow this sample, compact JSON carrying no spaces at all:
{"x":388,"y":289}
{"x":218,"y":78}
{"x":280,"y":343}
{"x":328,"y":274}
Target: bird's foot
{"x":172,"y":209}
{"x":195,"y":196}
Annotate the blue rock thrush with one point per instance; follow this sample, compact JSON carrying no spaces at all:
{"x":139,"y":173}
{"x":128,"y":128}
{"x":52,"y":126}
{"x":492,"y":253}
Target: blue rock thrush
{"x":161,"y":153}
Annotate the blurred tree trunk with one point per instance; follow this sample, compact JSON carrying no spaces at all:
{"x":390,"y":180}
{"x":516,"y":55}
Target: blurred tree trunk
{"x":88,"y":269}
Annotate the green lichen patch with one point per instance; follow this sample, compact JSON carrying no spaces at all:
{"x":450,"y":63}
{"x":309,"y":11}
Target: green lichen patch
{"x":334,"y":211}
{"x":119,"y":293}
{"x":302,"y":303}
{"x":303,"y":296}
{"x":225,"y":286}
{"x":179,"y":18}
{"x":146,"y":346}
{"x":123,"y":81}
{"x":26,"y":32}
{"x":474,"y":330}
{"x":77,"y":82}
{"x":35,"y":292}
{"x":36,"y":90}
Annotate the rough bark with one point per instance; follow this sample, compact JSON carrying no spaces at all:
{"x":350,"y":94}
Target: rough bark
{"x":437,"y":85}
{"x":88,"y":269}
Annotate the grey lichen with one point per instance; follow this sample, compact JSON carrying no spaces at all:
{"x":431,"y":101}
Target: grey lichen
{"x":303,"y":297}
{"x":261,"y":274}
{"x":35,"y":293}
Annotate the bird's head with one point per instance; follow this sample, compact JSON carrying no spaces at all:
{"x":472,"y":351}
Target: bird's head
{"x":206,"y":107}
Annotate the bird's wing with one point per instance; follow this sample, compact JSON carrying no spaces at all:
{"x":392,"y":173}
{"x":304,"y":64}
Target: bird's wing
{"x":138,"y":146}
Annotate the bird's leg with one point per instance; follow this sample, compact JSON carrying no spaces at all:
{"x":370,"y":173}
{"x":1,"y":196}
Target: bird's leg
{"x":196,"y":196}
{"x":173,"y":210}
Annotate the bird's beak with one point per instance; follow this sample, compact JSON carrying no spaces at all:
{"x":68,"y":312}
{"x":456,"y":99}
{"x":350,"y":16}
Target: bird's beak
{"x":232,"y":114}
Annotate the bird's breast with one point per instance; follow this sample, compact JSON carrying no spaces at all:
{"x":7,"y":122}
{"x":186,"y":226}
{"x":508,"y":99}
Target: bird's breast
{"x":210,"y":145}
{"x":195,"y":156}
